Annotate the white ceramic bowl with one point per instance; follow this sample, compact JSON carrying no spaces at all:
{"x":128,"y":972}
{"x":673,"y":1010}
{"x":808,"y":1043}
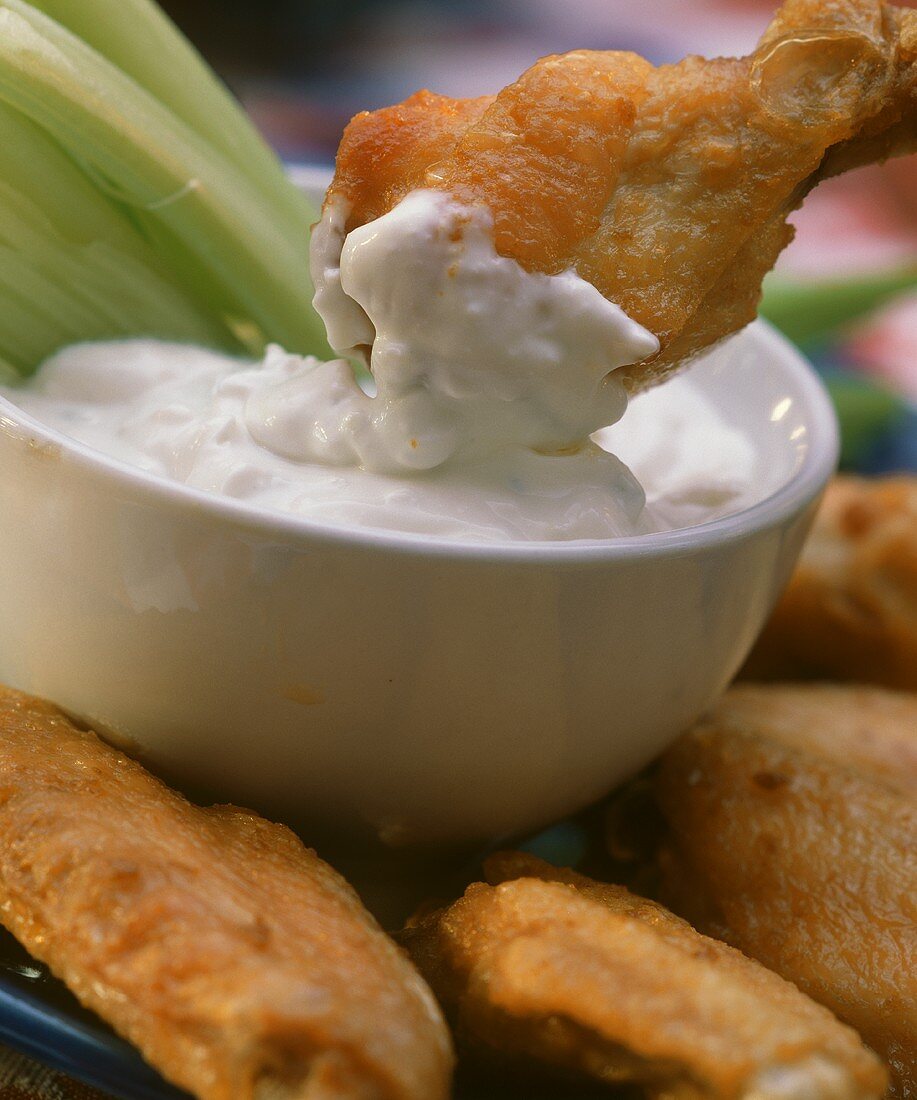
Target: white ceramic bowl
{"x":429,"y":692}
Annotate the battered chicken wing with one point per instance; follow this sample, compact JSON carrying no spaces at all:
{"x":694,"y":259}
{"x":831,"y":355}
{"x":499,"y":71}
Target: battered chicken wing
{"x":793,"y":817}
{"x":546,"y":964}
{"x":667,"y":188}
{"x":240,"y":964}
{"x":850,"y":611}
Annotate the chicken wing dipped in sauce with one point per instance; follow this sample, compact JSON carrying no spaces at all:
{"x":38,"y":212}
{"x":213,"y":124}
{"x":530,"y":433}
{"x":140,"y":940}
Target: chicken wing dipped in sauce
{"x":667,"y":188}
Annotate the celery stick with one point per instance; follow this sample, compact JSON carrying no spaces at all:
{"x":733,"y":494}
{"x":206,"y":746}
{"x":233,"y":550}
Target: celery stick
{"x":120,"y":215}
{"x":67,"y":209}
{"x":164,"y":174}
{"x":139,"y":38}
{"x":33,"y":164}
{"x":808,"y":311}
{"x":84,"y":289}
{"x":60,"y":283}
{"x":25,"y":324}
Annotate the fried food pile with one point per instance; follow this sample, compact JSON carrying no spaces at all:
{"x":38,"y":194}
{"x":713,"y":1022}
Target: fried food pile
{"x":241,"y":965}
{"x":667,"y":188}
{"x":792,"y":813}
{"x":546,"y":964}
{"x":790,"y":834}
{"x":245,"y":968}
{"x":850,"y":611}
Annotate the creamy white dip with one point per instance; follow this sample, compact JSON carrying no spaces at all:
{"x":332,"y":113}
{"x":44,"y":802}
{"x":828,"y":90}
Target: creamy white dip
{"x":471,"y":354}
{"x":489,"y":382}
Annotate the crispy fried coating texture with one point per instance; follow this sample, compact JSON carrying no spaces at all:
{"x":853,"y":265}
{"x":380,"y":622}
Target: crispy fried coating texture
{"x":545,"y":964}
{"x":384,"y":155}
{"x":241,"y":964}
{"x":667,"y":188}
{"x":850,"y":611}
{"x":793,"y":817}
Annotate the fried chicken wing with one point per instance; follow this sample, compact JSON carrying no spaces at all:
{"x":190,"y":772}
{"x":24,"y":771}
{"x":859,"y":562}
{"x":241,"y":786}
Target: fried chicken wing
{"x":545,"y":964}
{"x":241,"y":964}
{"x":667,"y":188}
{"x":850,"y":611}
{"x":793,"y":817}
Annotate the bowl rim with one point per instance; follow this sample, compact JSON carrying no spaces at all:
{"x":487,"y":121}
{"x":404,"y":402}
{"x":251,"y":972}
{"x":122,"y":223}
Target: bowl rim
{"x":803,"y":486}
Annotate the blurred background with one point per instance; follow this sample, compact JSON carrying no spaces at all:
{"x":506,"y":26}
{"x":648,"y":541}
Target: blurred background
{"x":846,"y":289}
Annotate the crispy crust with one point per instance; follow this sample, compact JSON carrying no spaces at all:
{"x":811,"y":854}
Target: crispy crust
{"x":667,"y":188}
{"x":546,"y":964}
{"x":385,"y":154}
{"x":793,"y":817}
{"x":239,"y":963}
{"x":850,"y":611}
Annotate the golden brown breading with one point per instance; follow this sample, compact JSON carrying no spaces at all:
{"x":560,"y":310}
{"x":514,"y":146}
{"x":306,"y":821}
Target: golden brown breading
{"x":240,"y":964}
{"x":546,"y":964}
{"x":850,"y":611}
{"x":793,"y":816}
{"x":667,"y":188}
{"x":385,"y":154}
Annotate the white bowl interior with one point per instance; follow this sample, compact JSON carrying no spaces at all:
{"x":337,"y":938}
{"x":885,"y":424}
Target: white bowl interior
{"x":755,"y":395}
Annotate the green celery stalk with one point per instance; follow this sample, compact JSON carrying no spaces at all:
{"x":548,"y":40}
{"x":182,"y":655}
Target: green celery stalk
{"x":124,"y":214}
{"x":80,"y":291}
{"x":35,"y":165}
{"x":154,"y":163}
{"x":807,"y":312}
{"x":137,"y":37}
{"x":82,"y":266}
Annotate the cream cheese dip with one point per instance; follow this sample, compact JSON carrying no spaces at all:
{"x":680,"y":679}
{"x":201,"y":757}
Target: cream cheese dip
{"x":490,"y":386}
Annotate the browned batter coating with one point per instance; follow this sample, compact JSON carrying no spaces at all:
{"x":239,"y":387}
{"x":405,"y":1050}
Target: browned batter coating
{"x":793,"y":817}
{"x":667,"y":188}
{"x":850,"y":611}
{"x":241,"y":965}
{"x":544,"y":964}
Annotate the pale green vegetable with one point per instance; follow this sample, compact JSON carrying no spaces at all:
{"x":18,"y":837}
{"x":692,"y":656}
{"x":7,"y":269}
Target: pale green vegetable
{"x":72,"y":265}
{"x":142,"y":41}
{"x":135,"y":197}
{"x":811,"y":310}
